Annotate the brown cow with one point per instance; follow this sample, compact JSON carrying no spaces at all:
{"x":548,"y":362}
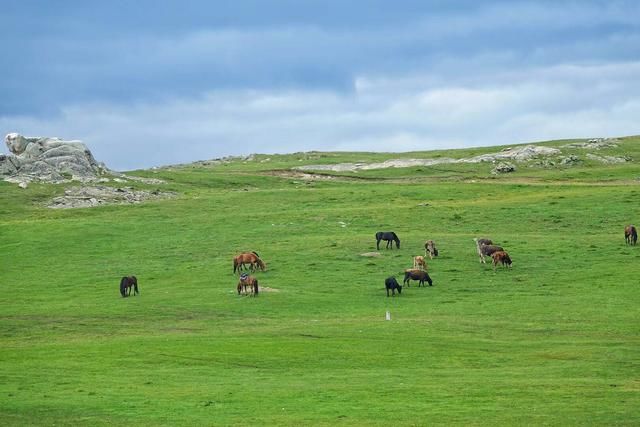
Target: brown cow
{"x":500,"y":257}
{"x":419,"y":263}
{"x":418,"y":275}
{"x":430,"y":249}
{"x":630,"y":235}
{"x":486,"y":249}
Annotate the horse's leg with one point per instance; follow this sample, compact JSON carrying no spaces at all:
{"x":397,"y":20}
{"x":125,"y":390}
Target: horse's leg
{"x":378,"y":244}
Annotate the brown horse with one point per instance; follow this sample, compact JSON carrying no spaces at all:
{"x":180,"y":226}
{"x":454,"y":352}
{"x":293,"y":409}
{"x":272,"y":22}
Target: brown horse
{"x":245,"y":282}
{"x":250,"y":258}
{"x":630,"y":235}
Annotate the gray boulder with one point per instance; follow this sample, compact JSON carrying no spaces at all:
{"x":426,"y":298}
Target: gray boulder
{"x":503,"y":167}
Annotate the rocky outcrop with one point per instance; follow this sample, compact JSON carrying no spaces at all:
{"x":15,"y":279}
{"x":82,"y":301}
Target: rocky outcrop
{"x":594,"y":144}
{"x":518,"y":154}
{"x":46,"y":159}
{"x":608,"y":159}
{"x":87,"y":197}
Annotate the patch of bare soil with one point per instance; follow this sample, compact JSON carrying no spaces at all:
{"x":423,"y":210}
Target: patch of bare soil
{"x":268,"y":289}
{"x":371,"y":254}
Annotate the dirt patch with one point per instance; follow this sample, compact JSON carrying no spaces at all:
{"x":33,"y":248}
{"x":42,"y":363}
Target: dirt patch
{"x":268,"y":289}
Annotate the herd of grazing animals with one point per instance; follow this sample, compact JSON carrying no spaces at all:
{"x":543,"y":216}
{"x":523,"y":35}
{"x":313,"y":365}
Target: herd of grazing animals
{"x":248,"y":284}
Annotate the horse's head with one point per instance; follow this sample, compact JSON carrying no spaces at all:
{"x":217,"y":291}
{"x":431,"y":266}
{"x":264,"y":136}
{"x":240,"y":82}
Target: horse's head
{"x":397,"y":242}
{"x":399,"y":289}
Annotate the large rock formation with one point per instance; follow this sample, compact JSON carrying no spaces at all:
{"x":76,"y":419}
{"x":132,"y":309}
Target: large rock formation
{"x":48,"y":160}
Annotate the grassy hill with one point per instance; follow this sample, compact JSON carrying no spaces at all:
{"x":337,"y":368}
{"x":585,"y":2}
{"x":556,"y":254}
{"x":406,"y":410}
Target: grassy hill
{"x":555,"y":340}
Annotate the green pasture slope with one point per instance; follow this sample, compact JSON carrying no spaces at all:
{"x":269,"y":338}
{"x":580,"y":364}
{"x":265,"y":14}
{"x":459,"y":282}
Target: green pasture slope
{"x":555,"y":340}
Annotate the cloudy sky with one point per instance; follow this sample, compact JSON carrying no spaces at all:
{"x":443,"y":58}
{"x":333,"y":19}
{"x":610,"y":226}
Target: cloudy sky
{"x":151,"y":82}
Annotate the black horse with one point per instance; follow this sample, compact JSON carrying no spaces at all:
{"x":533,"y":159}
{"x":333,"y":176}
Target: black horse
{"x":392,"y":283}
{"x":126,"y":284}
{"x":389,"y":236}
{"x":419,"y":275}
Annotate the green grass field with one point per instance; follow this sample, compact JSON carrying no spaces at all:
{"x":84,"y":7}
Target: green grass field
{"x":553,"y":341}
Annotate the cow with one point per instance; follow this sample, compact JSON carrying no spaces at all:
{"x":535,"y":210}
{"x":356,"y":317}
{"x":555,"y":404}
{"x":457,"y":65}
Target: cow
{"x":418,"y":275}
{"x":486,"y":249}
{"x":630,"y":235}
{"x":419,"y":263}
{"x":430,"y":249}
{"x":501,"y":257}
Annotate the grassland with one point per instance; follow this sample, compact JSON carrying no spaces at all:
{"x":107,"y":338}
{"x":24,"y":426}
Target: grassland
{"x":554,"y":341}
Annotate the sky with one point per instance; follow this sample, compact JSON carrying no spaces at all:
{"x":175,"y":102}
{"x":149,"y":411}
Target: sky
{"x":149,"y":82}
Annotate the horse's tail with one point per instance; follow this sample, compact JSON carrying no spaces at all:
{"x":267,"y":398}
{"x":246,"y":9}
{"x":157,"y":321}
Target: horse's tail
{"x":235,"y":264}
{"x":255,"y":286}
{"x":135,"y":286}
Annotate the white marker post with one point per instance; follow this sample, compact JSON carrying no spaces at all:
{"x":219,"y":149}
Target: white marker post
{"x":388,"y":316}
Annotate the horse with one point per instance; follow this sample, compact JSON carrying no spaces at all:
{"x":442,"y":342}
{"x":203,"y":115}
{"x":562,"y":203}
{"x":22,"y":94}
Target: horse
{"x":251,"y":258}
{"x":418,"y":275}
{"x":430,"y":249}
{"x":389,"y":236}
{"x":126,"y":283}
{"x":392,"y":283}
{"x":501,"y":257}
{"x":419,"y":263}
{"x":486,"y":249}
{"x":630,"y":235}
{"x":245,"y":282}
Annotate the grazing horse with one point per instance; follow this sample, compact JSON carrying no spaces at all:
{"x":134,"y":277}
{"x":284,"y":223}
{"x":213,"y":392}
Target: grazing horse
{"x":419,"y":263}
{"x":251,"y":258}
{"x":501,"y":257}
{"x":245,"y":282}
{"x":418,"y":275}
{"x":486,"y":249}
{"x":126,"y":283}
{"x":630,"y":235}
{"x":392,"y":283}
{"x":389,"y":236}
{"x":430,"y":249}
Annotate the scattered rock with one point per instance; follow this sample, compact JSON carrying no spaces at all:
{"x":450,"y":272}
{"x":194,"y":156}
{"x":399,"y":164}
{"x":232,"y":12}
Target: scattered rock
{"x":518,"y":154}
{"x":503,"y":167}
{"x":608,"y":159}
{"x":570,"y":160}
{"x":85,"y":197}
{"x":594,"y":144}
